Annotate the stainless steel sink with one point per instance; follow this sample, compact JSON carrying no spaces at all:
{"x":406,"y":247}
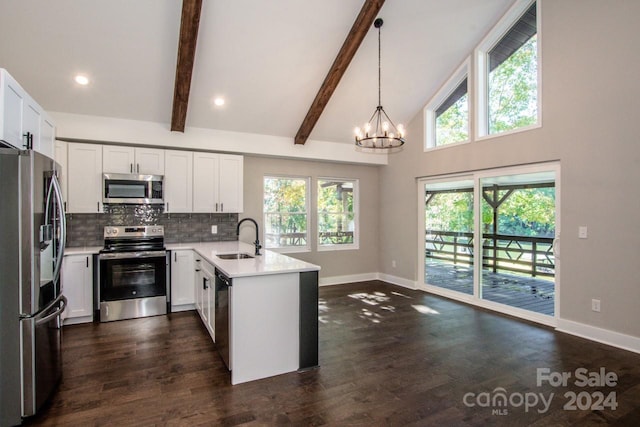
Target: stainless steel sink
{"x":237,"y":255}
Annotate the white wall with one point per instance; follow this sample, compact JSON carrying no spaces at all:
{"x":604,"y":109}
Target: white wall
{"x":110,"y":130}
{"x":591,"y":122}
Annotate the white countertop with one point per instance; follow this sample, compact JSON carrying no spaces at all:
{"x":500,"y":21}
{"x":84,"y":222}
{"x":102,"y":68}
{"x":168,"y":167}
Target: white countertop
{"x":268,"y":263}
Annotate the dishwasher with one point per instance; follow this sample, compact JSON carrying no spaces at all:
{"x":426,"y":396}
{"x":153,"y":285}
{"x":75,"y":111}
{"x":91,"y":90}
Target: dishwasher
{"x":223,"y":299}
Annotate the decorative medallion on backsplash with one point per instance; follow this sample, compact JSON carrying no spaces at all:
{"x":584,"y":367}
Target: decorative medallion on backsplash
{"x":133,"y":214}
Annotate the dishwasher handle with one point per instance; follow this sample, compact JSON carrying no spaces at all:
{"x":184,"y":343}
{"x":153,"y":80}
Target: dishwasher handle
{"x":223,"y":279}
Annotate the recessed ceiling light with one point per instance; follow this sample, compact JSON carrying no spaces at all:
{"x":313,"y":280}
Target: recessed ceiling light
{"x":219,"y":101}
{"x":82,"y":79}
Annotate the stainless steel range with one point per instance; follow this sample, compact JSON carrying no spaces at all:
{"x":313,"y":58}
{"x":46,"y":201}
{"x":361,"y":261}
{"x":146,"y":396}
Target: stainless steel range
{"x":132,"y":273}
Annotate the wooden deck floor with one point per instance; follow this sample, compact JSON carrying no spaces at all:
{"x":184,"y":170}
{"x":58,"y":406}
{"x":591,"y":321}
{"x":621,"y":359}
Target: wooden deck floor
{"x":529,"y":293}
{"x":388,"y":356}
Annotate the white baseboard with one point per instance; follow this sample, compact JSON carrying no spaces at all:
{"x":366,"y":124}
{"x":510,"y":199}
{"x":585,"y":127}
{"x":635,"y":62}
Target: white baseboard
{"x":399,"y":281}
{"x":351,"y":278}
{"x":604,"y":336}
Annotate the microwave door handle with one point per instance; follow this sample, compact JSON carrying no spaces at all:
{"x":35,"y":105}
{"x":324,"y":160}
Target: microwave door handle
{"x":63,"y":227}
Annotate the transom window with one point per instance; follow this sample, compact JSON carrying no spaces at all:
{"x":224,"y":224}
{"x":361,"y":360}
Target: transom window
{"x":337,"y":214}
{"x":447,"y":114}
{"x":286,"y":219}
{"x":508,"y":89}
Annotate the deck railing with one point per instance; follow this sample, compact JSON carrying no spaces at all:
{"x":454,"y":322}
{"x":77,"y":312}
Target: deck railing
{"x":520,"y":254}
{"x":300,"y":239}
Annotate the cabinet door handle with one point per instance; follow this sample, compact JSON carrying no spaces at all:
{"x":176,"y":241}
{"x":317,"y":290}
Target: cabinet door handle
{"x":98,"y":203}
{"x":221,"y":207}
{"x":131,"y":167}
{"x":175,"y":256}
{"x":197,"y":269}
{"x":29,"y":140}
{"x":138,"y":167}
{"x":87,"y":262}
{"x":216,"y":206}
{"x":204,"y":283}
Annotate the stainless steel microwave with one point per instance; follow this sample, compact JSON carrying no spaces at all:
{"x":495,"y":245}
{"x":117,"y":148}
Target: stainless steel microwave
{"x":132,"y":188}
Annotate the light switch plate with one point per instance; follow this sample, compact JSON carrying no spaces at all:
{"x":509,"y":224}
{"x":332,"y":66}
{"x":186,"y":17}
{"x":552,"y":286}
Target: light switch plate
{"x":214,"y":229}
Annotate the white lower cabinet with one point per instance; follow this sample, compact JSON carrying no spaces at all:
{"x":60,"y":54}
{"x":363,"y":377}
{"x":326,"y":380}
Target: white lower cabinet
{"x":205,"y":290}
{"x":182,"y":277}
{"x":77,"y":286}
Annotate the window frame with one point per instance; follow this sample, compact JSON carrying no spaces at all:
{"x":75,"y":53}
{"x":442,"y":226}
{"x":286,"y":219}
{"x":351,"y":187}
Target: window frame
{"x":481,"y":72}
{"x":307,"y":204}
{"x":356,"y":217}
{"x":462,"y":72}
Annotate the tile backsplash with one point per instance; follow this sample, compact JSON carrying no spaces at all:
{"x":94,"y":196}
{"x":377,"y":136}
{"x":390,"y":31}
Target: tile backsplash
{"x":88,"y":229}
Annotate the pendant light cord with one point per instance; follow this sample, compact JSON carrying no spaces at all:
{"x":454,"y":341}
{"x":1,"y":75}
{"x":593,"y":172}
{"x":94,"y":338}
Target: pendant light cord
{"x":379,"y":67}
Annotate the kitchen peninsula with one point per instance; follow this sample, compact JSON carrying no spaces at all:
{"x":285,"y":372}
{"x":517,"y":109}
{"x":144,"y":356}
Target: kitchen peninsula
{"x":272,"y":305}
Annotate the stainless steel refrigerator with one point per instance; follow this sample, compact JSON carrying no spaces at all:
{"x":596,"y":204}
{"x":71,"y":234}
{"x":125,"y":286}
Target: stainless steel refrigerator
{"x":32,"y":237}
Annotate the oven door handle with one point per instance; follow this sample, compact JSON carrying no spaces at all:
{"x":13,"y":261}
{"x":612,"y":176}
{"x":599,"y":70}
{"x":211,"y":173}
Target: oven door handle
{"x":133,"y":255}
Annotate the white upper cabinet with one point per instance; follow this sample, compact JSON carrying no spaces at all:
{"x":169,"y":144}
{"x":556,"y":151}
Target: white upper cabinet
{"x":193,"y":181}
{"x":231,"y":183}
{"x":150,"y":161}
{"x":60,"y":156}
{"x":205,"y":182}
{"x":178,"y":181}
{"x":47,"y":137}
{"x":217,"y":183}
{"x":12,"y":100}
{"x":84,"y":178}
{"x":23,"y":123}
{"x":123,"y":159}
{"x":31,"y":118}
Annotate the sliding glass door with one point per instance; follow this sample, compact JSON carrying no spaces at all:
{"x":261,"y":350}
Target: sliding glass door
{"x":490,"y":238}
{"x":448,"y":243}
{"x":518,"y":231}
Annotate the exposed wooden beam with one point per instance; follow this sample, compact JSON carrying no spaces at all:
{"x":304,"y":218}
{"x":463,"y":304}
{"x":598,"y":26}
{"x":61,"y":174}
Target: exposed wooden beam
{"x":349,"y":48}
{"x":186,"y":53}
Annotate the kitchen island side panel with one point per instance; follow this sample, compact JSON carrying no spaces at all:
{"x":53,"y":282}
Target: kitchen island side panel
{"x":264,"y":326}
{"x":308,"y":319}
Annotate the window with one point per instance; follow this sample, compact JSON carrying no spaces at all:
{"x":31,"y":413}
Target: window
{"x":447,"y":115}
{"x":507,"y":68}
{"x":285,"y":208}
{"x":337,"y":214}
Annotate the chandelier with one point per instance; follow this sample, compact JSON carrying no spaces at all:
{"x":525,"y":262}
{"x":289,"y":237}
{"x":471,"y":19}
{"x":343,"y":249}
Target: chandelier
{"x":379,"y":132}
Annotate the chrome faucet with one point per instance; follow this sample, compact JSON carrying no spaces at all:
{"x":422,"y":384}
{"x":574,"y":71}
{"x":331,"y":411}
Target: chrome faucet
{"x":257,"y":242}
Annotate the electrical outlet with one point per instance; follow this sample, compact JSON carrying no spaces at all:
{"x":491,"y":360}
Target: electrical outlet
{"x":582,"y":232}
{"x":393,"y":263}
{"x":214,"y":229}
{"x":595,"y":305}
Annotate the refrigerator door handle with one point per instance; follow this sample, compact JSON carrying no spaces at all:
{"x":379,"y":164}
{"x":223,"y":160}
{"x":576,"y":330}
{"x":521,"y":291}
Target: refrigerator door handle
{"x":46,"y":234}
{"x":55,"y":313}
{"x":63,"y":227}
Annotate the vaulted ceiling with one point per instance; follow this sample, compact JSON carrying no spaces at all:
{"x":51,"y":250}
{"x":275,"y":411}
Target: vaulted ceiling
{"x":267,"y":58}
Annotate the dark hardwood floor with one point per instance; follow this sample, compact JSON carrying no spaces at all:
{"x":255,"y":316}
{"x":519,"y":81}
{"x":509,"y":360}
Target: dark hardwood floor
{"x":389,"y":356}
